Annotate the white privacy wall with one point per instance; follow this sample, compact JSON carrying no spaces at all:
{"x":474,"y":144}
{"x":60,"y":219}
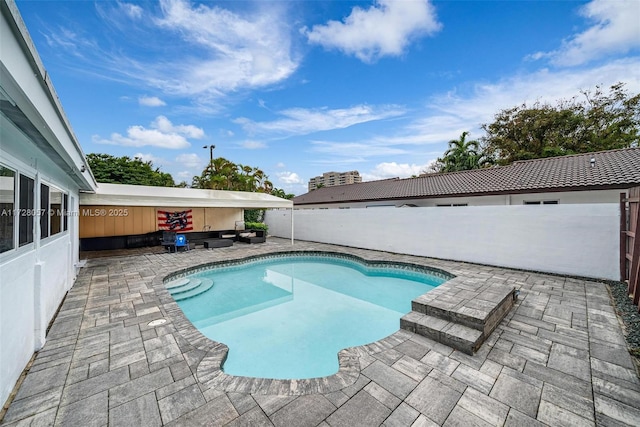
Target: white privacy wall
{"x":581,"y":239}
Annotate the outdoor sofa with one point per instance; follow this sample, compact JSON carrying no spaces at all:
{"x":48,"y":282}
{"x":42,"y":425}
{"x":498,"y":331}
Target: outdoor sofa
{"x":252,"y":236}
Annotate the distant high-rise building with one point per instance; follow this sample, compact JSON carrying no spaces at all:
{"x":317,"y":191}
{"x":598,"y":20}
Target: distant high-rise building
{"x":329,"y":179}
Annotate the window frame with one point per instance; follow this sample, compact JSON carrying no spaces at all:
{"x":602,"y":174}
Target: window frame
{"x":11,"y":213}
{"x":51,"y":213}
{"x":540,"y":202}
{"x":27,"y":213}
{"x":44,"y":211}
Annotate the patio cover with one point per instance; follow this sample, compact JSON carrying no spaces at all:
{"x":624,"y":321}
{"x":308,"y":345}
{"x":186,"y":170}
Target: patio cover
{"x":142,"y":195}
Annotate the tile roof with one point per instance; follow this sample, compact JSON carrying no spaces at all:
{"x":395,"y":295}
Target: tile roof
{"x":612,"y":169}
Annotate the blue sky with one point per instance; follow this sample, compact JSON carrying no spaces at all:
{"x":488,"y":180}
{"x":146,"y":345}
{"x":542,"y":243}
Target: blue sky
{"x":298,"y":88}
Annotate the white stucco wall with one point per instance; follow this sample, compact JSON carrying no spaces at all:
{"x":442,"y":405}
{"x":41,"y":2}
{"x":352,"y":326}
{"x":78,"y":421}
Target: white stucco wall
{"x":562,"y":197}
{"x":572,"y":239}
{"x":17,"y":321}
{"x":34,"y":277}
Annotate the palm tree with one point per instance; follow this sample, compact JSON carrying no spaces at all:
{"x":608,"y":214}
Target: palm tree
{"x":218,"y":175}
{"x":462,"y":155}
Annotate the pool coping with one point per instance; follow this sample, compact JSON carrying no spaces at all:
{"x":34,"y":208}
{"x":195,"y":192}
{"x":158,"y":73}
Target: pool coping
{"x":209,"y":370}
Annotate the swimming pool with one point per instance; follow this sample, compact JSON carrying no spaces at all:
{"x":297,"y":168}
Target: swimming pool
{"x":288,"y":316}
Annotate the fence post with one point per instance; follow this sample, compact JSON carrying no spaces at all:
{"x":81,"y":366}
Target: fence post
{"x":623,"y":237}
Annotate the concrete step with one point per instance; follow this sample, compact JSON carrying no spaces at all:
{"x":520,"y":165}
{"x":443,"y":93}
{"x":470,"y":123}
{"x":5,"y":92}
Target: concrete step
{"x":482,"y":311}
{"x":185,"y":287}
{"x":455,"y":335}
{"x":176,"y":283}
{"x":205,"y":285}
{"x":459,"y":315}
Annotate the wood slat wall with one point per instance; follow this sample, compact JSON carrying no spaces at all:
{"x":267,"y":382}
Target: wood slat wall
{"x":107,"y":221}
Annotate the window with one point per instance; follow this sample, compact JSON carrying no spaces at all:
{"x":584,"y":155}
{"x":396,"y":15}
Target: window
{"x":7,"y":205}
{"x":53,"y":206}
{"x":26,"y":210}
{"x":44,"y":211}
{"x":55,"y":210}
{"x":543,"y":202}
{"x":65,"y":212}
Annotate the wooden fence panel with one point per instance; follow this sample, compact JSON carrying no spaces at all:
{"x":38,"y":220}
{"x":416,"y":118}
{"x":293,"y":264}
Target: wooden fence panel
{"x":630,"y":243}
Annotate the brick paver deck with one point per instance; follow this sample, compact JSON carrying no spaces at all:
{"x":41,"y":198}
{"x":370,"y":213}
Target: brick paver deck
{"x":559,"y":358}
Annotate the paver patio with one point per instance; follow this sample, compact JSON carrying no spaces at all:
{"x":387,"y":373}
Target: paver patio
{"x":559,"y":358}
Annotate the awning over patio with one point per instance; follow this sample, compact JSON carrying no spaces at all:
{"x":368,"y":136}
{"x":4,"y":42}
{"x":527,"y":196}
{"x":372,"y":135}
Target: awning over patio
{"x":141,"y":195}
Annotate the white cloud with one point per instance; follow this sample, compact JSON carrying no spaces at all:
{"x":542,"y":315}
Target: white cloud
{"x":138,"y":136}
{"x":190,"y":160}
{"x":445,"y":116}
{"x":392,"y":170}
{"x":384,"y":29}
{"x":280,"y":165}
{"x":146,"y":157}
{"x":71,"y":42}
{"x":457,"y":112}
{"x":133,"y":11}
{"x":190,"y":131}
{"x":300,"y":121}
{"x":210,"y":52}
{"x":238,"y":51}
{"x":162,"y":134}
{"x":184,"y":176}
{"x":615,"y":29}
{"x":363,"y":149}
{"x":151,"y":101}
{"x":289,"y":178}
{"x":253,"y":145}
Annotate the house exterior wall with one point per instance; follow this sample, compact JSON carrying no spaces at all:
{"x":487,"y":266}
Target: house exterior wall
{"x":34,"y":275}
{"x":567,"y":197}
{"x":108,"y":221}
{"x":573,"y":239}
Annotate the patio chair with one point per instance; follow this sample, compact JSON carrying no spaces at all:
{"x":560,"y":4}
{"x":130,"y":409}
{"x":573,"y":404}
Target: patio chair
{"x":169,"y":240}
{"x":252,"y":236}
{"x":182,"y":242}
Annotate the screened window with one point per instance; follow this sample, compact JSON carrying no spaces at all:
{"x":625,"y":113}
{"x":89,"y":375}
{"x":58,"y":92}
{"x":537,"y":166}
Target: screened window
{"x":27,"y":210}
{"x":7,"y":208}
{"x":44,"y":211}
{"x":55,"y":210}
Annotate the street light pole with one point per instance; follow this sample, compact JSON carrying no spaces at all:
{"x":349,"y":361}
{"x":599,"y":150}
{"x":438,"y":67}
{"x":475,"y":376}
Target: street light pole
{"x":210,"y":147}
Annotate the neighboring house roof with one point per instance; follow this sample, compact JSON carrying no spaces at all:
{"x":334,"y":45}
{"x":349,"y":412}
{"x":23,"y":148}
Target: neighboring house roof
{"x":142,"y":195}
{"x":611,"y":169}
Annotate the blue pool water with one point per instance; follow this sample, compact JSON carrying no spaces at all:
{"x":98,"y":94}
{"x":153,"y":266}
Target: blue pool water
{"x":289,"y":317}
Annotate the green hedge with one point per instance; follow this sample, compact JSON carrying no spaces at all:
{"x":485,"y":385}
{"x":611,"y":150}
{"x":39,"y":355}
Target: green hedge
{"x":256,"y":226}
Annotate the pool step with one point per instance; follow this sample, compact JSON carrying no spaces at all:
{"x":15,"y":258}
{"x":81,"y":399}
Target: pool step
{"x":194,"y":287}
{"x":455,"y":335}
{"x":459,"y":316}
{"x":190,"y":284}
{"x":176,"y":283}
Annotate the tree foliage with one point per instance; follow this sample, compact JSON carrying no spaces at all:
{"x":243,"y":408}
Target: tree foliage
{"x":597,"y":121}
{"x":461,"y":155}
{"x":125,"y":170}
{"x":223,"y":174}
